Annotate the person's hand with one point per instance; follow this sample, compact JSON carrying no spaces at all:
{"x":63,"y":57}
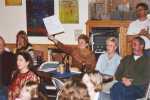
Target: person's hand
{"x":127,"y":81}
{"x":143,"y":32}
{"x":52,"y":38}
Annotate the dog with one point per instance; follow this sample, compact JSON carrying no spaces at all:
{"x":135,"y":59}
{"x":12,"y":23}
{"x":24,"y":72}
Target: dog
{"x":93,"y":81}
{"x":29,"y":91}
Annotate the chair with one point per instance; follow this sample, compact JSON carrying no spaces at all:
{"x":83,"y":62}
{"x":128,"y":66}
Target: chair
{"x":47,"y":86}
{"x":148,"y":93}
{"x":147,"y":96}
{"x":57,"y":83}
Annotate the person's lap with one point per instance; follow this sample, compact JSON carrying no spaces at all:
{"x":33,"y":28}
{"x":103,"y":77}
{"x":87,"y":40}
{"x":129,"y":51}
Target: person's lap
{"x":120,"y":92}
{"x":104,"y":96}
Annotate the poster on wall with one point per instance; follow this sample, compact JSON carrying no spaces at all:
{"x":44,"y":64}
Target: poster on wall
{"x":13,"y":2}
{"x":69,"y":11}
{"x":37,"y":10}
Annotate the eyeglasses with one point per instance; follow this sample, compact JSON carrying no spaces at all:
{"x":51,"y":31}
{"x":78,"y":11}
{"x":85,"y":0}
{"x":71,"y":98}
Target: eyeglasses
{"x":139,"y":10}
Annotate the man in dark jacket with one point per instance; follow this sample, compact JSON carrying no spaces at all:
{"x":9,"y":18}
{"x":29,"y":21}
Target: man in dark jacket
{"x":7,"y":65}
{"x":133,"y":74}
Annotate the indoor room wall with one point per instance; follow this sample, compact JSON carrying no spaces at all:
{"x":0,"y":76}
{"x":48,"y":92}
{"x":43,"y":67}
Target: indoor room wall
{"x":13,"y":19}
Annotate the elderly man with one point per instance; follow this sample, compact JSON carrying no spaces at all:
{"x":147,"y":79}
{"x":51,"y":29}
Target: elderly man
{"x":7,"y":64}
{"x":133,"y":74}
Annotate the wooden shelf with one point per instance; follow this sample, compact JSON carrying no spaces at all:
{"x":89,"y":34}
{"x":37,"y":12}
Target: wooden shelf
{"x":122,"y":26}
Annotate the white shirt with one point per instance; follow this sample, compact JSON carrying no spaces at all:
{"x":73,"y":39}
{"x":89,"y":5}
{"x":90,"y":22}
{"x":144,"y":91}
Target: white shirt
{"x":136,"y":26}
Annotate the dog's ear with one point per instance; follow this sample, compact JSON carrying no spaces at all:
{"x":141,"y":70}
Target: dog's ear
{"x":85,"y":78}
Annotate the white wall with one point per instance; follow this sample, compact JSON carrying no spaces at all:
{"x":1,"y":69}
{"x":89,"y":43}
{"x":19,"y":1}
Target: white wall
{"x":13,"y":19}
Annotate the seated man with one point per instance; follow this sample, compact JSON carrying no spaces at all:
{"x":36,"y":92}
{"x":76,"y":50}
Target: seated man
{"x":133,"y":74}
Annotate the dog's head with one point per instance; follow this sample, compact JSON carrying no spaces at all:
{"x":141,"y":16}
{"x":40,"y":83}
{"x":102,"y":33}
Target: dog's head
{"x":29,"y":90}
{"x":93,"y":80}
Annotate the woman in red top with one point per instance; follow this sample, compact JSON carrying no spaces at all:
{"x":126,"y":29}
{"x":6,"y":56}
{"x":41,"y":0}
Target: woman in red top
{"x":20,"y":77}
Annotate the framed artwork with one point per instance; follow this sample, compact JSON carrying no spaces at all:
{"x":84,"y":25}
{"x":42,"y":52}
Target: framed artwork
{"x":99,"y":10}
{"x":13,"y":2}
{"x":69,"y":11}
{"x":37,"y":10}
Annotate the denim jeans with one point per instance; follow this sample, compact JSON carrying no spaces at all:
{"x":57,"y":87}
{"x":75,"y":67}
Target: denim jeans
{"x":147,"y":52}
{"x":120,"y":92}
{"x":104,"y":96}
{"x":3,"y":93}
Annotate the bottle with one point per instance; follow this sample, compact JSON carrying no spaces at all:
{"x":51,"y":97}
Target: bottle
{"x":67,"y":64}
{"x":83,"y":69}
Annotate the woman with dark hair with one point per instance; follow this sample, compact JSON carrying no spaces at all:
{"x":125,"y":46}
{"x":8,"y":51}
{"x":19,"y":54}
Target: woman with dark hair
{"x":81,"y":54}
{"x":21,"y":76}
{"x":23,"y":45}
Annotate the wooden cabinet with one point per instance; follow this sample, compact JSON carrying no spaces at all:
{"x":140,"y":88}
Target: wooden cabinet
{"x":119,"y":24}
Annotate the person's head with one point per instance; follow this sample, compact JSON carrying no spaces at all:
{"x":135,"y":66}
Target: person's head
{"x":74,"y":90}
{"x":111,"y":45}
{"x":138,"y":45}
{"x":21,"y":39}
{"x":83,"y":41}
{"x":2,"y":44}
{"x":142,"y":9}
{"x":93,"y":80}
{"x":24,"y":61}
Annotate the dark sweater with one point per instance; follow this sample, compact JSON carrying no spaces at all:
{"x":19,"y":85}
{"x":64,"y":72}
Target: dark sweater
{"x":7,"y":65}
{"x":138,"y":70}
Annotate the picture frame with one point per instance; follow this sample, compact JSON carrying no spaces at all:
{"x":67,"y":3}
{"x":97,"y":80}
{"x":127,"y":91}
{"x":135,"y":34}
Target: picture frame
{"x":36,"y":11}
{"x":13,"y":2}
{"x":69,"y":11}
{"x":99,"y":10}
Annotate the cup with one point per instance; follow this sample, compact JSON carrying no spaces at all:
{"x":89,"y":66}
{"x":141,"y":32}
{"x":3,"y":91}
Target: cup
{"x":61,"y":68}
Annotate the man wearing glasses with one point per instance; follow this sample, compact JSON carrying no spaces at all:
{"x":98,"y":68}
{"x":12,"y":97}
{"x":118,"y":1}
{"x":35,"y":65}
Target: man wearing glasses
{"x":141,"y":26}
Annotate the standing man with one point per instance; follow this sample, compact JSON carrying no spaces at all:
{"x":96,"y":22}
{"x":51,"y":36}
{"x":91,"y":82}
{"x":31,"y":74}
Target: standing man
{"x":133,"y":74}
{"x":141,"y":26}
{"x":7,"y":65}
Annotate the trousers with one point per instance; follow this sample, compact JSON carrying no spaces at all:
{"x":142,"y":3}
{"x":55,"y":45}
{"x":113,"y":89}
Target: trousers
{"x":121,"y":92}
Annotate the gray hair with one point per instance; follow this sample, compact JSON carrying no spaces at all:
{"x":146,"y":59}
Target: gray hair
{"x":113,"y":39}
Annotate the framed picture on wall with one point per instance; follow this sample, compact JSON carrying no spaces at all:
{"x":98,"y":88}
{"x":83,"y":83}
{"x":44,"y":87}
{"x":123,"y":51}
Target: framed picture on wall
{"x":13,"y":2}
{"x":69,"y":11}
{"x":37,"y":10}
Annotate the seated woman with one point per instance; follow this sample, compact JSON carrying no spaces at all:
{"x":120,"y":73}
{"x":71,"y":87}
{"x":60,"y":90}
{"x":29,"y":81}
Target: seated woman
{"x":107,"y":65}
{"x":23,"y":45}
{"x":108,"y":62}
{"x":81,"y":55}
{"x":73,"y":90}
{"x":20,"y":77}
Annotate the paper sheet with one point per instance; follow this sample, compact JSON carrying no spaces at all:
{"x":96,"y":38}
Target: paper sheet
{"x":53,"y":25}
